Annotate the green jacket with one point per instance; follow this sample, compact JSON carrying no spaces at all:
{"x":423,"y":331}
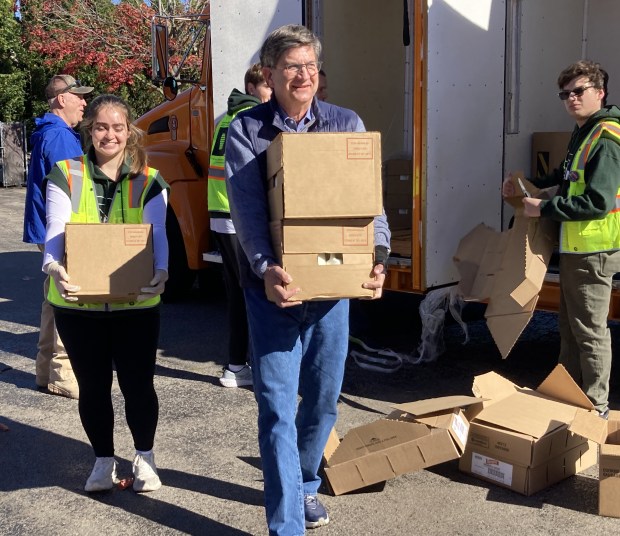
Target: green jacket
{"x":601,"y":175}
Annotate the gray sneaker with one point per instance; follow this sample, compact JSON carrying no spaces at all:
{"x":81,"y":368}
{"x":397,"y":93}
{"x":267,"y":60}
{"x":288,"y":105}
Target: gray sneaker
{"x":145,"y":477}
{"x":237,"y":379}
{"x":103,"y":476}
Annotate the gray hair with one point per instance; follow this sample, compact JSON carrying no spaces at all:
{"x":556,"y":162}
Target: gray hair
{"x":284,"y":38}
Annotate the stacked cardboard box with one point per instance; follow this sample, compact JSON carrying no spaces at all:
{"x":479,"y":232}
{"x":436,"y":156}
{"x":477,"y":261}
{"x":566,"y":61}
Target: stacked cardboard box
{"x":398,"y":199}
{"x":526,"y":439}
{"x":109,"y":262}
{"x":324,"y":190}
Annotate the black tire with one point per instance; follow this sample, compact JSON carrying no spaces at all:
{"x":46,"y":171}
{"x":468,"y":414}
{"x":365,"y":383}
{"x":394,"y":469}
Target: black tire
{"x":180,"y":277}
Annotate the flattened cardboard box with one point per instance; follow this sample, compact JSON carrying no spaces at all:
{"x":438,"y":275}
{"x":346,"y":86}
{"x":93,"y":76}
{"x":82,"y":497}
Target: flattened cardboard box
{"x":609,"y":469}
{"x":527,"y":439}
{"x":110,"y":262}
{"x":414,"y":436}
{"x":324,"y":175}
{"x":507,"y":269}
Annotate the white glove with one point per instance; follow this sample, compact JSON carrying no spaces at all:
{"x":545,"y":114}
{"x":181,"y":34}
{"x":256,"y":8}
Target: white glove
{"x":57,"y":272}
{"x":158,"y":284}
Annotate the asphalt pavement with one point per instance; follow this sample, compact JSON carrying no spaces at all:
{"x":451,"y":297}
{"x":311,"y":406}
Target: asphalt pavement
{"x":206,"y":448}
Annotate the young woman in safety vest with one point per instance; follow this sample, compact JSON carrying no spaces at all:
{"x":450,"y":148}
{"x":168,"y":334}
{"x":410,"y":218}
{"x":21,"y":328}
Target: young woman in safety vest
{"x":110,"y":184}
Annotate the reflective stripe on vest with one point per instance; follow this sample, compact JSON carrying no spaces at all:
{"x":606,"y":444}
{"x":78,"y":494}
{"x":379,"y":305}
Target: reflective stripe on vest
{"x":591,"y":236}
{"x":217,"y":196}
{"x":126,"y":207}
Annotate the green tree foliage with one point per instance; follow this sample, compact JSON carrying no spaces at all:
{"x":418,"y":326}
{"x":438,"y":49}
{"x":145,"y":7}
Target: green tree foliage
{"x":12,"y":75}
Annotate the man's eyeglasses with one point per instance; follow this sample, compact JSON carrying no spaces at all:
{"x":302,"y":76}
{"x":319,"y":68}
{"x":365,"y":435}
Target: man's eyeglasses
{"x":577,"y":92}
{"x":77,"y":83}
{"x":294,"y":69}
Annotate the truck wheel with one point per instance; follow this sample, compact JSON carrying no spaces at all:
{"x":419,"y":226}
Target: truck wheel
{"x":180,"y":277}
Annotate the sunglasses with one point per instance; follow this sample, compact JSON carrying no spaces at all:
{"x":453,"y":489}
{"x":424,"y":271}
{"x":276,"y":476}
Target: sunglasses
{"x":77,"y":83}
{"x":577,"y":92}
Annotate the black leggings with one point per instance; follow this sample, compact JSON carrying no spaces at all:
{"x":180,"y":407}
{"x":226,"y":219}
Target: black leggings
{"x":98,"y":342}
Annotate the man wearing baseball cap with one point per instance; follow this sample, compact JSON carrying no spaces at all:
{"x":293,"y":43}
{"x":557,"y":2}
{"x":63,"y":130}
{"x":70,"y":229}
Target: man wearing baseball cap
{"x":53,"y":139}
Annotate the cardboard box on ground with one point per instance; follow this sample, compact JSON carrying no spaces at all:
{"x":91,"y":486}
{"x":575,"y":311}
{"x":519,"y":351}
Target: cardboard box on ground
{"x":609,"y":469}
{"x":110,"y":262}
{"x":516,"y":437}
{"x":507,"y":269}
{"x":526,"y":440}
{"x":324,"y":189}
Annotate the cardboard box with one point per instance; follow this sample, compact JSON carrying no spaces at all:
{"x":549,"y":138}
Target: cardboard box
{"x":110,"y":262}
{"x":399,"y":219}
{"x":528,"y":480}
{"x":399,"y":178}
{"x":323,"y":276}
{"x":507,"y":269}
{"x":548,"y":151}
{"x":324,"y":175}
{"x":414,"y":436}
{"x":323,"y":236}
{"x":327,"y":259}
{"x":609,"y":469}
{"x":527,"y":439}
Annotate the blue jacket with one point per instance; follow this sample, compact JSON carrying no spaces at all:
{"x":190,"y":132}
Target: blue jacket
{"x":52,"y":140}
{"x":249,"y":135}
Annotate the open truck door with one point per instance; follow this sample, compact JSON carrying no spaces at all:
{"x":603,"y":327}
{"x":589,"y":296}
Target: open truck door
{"x":457,"y":108}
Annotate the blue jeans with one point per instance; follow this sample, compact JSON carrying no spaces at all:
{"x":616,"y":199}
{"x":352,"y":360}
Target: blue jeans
{"x":302,"y":350}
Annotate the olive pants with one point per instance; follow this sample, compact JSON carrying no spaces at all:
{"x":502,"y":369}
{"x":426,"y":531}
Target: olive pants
{"x":585,"y":293}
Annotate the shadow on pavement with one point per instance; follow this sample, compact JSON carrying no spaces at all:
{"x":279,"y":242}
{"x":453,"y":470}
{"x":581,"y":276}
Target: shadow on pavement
{"x":26,"y":446}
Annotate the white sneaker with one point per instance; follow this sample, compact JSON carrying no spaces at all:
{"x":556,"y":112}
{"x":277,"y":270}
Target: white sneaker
{"x":103,"y":475}
{"x":145,"y":476}
{"x":237,"y":379}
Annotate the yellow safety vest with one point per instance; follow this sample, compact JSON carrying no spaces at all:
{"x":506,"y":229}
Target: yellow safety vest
{"x":217,"y":197}
{"x":591,"y":236}
{"x":126,"y":207}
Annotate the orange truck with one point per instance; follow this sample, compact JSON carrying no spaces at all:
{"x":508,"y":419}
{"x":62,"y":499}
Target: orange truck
{"x":457,"y":89}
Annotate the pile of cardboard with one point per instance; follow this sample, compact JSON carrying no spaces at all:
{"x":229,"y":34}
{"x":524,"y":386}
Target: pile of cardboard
{"x":109,"y":262}
{"x":324,"y":190}
{"x":512,"y":436}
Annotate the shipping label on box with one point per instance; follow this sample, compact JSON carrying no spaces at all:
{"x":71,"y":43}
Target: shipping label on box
{"x":109,"y":262}
{"x":324,"y":175}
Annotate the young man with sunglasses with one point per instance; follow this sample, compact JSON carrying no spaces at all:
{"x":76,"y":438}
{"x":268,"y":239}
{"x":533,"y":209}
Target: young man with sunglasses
{"x":53,"y":139}
{"x":587,"y":206}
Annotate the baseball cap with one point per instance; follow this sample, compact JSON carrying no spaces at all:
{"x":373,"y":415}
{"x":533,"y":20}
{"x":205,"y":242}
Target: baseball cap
{"x":65,"y":83}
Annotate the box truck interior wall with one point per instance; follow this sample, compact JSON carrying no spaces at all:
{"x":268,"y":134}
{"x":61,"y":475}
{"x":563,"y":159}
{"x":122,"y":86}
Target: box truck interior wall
{"x":464,"y":128}
{"x":364,"y":58}
{"x":552,"y":35}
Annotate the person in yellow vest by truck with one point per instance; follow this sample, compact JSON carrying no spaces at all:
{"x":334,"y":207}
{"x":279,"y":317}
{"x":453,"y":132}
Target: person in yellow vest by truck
{"x":587,"y":205}
{"x":110,"y":184}
{"x":237,"y":372}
